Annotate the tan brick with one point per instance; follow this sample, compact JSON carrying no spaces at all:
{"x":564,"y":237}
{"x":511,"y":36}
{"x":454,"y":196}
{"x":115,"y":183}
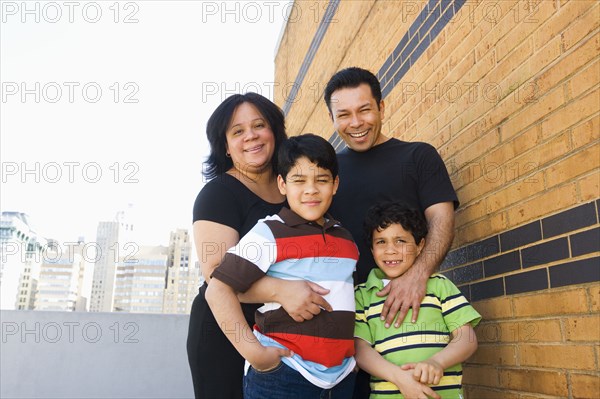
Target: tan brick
{"x":567,"y":65}
{"x":472,"y":232}
{"x":481,"y":375}
{"x":580,"y":28}
{"x":544,"y":382}
{"x":585,"y":386}
{"x":533,"y":112}
{"x":503,"y":355}
{"x":586,"y":132}
{"x":551,"y":303}
{"x":578,"y":357}
{"x":485,"y":143}
{"x":542,"y":57}
{"x":561,"y":19}
{"x":528,"y":23}
{"x":583,"y":328}
{"x":499,"y":30}
{"x":585,"y":80}
{"x":494,"y":309}
{"x":558,"y":198}
{"x":576,"y":111}
{"x":594,"y":293}
{"x":475,"y":392}
{"x":522,"y":188}
{"x":575,"y":165}
{"x":526,"y":331}
{"x":589,"y":186}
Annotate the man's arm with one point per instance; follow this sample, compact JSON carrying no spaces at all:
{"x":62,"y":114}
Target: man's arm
{"x":408,"y":290}
{"x":227,"y":310}
{"x":373,"y":363}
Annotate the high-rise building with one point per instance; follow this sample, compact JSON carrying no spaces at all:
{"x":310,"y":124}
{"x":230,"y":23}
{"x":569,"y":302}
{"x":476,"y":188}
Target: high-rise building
{"x":61,"y":281}
{"x":181,"y":283}
{"x":21,"y":252}
{"x":140,"y":281}
{"x":113,"y":242}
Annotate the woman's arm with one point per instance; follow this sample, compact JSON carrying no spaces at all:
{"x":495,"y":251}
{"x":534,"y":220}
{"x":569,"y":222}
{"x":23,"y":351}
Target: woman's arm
{"x":212,"y":241}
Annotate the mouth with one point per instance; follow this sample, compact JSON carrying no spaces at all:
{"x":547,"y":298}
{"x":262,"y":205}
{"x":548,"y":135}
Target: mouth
{"x":255,"y":148}
{"x":392,"y":262}
{"x":358,"y":135}
{"x":311,"y":203}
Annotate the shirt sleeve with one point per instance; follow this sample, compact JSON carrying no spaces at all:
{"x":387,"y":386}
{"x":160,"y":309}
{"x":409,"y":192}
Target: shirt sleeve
{"x":361,"y":326}
{"x":434,"y":182}
{"x":249,"y":260}
{"x":217,"y":203}
{"x":456,"y":310}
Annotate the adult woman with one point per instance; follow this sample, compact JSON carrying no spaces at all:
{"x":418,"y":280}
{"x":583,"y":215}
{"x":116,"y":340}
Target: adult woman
{"x":244,"y":134}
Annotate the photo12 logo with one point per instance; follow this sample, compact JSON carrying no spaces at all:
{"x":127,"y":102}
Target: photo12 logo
{"x":70,"y":171}
{"x":71,"y":92}
{"x":69,"y":12}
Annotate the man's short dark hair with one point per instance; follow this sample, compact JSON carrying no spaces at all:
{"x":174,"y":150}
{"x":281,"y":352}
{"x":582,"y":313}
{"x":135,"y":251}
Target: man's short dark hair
{"x":315,"y":148}
{"x":218,"y":123}
{"x":384,"y":214}
{"x":350,"y":78}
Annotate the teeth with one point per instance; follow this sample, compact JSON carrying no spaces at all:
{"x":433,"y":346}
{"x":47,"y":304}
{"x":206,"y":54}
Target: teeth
{"x":358,"y":135}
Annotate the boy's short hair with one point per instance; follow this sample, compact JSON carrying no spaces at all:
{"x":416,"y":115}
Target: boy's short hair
{"x":315,"y":148}
{"x":384,"y":214}
{"x":351,"y":78}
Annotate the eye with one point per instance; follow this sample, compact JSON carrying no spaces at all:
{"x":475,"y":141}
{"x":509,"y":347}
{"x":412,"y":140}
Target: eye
{"x":323,"y":180}
{"x":380,"y":241}
{"x":259,"y":125}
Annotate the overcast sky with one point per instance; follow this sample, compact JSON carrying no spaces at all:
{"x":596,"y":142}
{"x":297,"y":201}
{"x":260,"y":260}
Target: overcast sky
{"x":105,"y":103}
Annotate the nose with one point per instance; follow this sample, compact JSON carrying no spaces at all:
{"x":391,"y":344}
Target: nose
{"x":251,"y":134}
{"x":355,"y":120}
{"x":310,"y":188}
{"x":390,"y":248}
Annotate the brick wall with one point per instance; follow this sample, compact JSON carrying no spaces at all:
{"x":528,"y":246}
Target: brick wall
{"x":508,"y":92}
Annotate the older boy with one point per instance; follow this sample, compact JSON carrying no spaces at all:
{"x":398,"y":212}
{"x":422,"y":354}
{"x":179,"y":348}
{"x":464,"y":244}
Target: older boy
{"x":430,"y":351}
{"x":290,"y":359}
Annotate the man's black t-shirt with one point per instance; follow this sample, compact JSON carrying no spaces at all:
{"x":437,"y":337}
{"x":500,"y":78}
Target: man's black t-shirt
{"x":409,"y":172}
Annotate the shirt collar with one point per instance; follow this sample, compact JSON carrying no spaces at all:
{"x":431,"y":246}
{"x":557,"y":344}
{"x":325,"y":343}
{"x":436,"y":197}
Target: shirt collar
{"x":291,"y":218}
{"x":376,"y":279}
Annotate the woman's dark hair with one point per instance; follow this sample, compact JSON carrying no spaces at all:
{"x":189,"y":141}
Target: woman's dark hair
{"x":315,"y":148}
{"x":218,"y":123}
{"x":383,"y":214}
{"x":350,"y":78}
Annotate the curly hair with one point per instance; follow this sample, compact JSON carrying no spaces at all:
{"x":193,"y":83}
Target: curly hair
{"x":384,"y":214}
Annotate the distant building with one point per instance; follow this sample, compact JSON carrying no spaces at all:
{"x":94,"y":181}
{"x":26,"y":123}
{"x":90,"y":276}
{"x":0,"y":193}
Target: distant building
{"x":113,"y":242}
{"x":181,"y":281}
{"x":139,"y":286}
{"x":21,"y":252}
{"x":61,"y":281}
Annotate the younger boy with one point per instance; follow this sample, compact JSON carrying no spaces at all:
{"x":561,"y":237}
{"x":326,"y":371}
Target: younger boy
{"x":403,"y":360}
{"x":312,"y":359}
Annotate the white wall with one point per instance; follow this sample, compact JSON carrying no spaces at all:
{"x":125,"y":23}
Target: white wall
{"x":93,"y":355}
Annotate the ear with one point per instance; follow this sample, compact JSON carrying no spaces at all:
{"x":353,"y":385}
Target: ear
{"x":381,"y":109}
{"x":336,"y":184}
{"x":420,"y":246}
{"x":281,"y":185}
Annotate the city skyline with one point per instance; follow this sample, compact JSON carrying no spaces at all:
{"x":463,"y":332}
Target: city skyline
{"x":102,"y":110}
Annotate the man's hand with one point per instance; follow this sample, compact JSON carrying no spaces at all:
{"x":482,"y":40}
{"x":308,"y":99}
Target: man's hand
{"x":410,"y":388}
{"x":302,"y":300}
{"x":428,"y":371}
{"x":404,"y":292}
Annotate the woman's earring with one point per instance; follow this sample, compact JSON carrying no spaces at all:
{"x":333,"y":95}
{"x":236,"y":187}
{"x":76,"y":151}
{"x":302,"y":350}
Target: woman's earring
{"x":227,"y":155}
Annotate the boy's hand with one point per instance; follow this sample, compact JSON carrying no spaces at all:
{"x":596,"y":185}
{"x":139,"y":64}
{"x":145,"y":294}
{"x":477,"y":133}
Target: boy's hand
{"x":411,"y":388}
{"x":268,"y":358}
{"x":428,"y":371}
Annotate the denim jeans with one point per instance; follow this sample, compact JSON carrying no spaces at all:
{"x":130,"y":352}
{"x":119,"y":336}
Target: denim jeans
{"x":283,"y":382}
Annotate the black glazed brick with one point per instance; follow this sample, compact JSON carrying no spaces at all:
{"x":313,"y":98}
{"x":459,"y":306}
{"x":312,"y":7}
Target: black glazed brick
{"x":573,"y":219}
{"x":466,"y":291}
{"x":487,"y":289}
{"x":585,"y":242}
{"x":525,"y":282}
{"x":577,"y":272}
{"x":467,"y":273}
{"x":545,"y":253}
{"x":502,"y":264}
{"x":471,"y":253}
{"x":520,"y":236}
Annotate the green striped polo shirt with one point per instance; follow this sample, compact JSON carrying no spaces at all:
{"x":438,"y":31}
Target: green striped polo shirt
{"x":443,"y":310}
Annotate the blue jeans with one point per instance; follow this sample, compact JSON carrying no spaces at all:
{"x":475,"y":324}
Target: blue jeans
{"x":283,"y":382}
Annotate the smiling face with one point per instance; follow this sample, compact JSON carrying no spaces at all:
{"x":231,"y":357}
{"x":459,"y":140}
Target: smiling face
{"x":250,"y":140}
{"x":357,"y":117}
{"x":394,"y":250}
{"x":309,"y":189}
